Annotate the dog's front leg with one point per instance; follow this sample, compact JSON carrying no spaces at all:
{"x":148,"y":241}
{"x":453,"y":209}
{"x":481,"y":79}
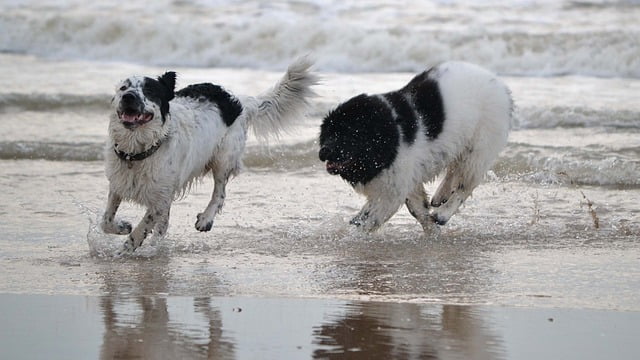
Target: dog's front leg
{"x":376,"y":212}
{"x":154,"y":219}
{"x":109,"y":224}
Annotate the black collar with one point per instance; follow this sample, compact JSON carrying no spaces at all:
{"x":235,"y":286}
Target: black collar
{"x":139,"y":156}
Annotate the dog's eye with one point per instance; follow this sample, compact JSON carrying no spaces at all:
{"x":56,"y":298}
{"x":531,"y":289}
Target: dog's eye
{"x":123,"y":88}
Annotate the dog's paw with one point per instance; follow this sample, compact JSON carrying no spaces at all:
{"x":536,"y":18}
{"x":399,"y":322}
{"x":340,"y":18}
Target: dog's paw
{"x":438,"y":201}
{"x":428,"y":223}
{"x":120,"y":227}
{"x":204,"y":223}
{"x":365,"y":223}
{"x":127,"y":248}
{"x":439,"y":219}
{"x":356,"y":221}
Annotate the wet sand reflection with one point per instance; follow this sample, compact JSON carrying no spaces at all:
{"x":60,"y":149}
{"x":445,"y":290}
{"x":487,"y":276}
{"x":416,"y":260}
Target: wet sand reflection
{"x":197,"y":328}
{"x":139,"y":324}
{"x":406,"y":331}
{"x":172,"y":327}
{"x":142,"y":320}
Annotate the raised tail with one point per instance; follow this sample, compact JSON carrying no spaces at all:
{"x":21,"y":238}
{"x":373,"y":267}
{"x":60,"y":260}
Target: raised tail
{"x":279,"y":108}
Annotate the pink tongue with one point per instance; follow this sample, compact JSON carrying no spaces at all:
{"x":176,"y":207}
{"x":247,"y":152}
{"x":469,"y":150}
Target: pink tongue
{"x":129,"y":118}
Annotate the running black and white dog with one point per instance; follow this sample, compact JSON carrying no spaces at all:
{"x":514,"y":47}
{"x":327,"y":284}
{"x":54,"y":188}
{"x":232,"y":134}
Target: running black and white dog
{"x":161,"y":141}
{"x":454,"y":117}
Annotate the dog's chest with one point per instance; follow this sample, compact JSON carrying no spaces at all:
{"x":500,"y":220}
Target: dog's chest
{"x":141,"y":182}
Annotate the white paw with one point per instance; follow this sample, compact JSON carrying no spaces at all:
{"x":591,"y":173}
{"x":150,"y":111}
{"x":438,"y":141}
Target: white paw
{"x":439,"y":219}
{"x":204,"y":223}
{"x":428,"y":224}
{"x":127,"y":248}
{"x":119,"y":227}
{"x":365,"y":222}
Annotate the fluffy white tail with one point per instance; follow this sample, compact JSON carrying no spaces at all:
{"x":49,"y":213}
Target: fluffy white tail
{"x":277,"y":109}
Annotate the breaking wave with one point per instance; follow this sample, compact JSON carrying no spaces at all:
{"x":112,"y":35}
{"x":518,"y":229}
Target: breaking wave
{"x":49,"y":102}
{"x":55,"y":151}
{"x":377,"y":36}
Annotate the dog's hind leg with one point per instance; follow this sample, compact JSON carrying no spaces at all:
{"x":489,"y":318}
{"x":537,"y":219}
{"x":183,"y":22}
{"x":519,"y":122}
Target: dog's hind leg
{"x":205,"y":219}
{"x":448,"y":185}
{"x":444,"y":212}
{"x":462,"y":178}
{"x":418,"y":204}
{"x":109,"y":224}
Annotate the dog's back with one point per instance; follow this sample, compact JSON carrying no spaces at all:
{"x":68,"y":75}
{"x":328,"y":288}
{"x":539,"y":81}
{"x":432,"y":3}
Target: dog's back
{"x":471,"y":99}
{"x":475,"y":100}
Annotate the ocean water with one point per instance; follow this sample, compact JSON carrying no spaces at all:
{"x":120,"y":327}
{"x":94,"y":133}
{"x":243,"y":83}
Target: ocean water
{"x":555,"y":224}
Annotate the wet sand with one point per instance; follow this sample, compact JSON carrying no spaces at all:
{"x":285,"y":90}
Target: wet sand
{"x":303,"y":284}
{"x":170,"y":327}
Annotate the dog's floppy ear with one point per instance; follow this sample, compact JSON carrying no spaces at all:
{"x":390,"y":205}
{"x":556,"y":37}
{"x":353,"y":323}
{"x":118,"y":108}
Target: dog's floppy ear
{"x":168,"y":79}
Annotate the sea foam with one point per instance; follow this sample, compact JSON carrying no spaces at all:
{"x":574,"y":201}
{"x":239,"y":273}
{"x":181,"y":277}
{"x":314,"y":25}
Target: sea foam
{"x":541,"y":39}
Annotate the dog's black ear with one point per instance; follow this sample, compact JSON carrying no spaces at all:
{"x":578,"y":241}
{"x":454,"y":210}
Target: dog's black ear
{"x":168,"y":79}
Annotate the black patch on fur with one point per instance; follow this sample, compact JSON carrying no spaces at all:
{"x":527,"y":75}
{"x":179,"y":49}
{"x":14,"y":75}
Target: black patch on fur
{"x":126,"y":84}
{"x":230,"y":108}
{"x":405,"y":116}
{"x":362,"y":134}
{"x":160,"y":91}
{"x":427,"y":100}
{"x":361,"y":137}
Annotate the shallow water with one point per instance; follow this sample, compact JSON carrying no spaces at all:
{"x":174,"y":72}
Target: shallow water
{"x":539,"y":248}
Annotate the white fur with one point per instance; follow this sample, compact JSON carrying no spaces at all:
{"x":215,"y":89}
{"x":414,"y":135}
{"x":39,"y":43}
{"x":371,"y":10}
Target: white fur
{"x":197,"y":142}
{"x":478,"y":110}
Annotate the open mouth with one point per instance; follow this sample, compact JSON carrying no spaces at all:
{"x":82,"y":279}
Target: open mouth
{"x":336,"y":167}
{"x":132,"y":118}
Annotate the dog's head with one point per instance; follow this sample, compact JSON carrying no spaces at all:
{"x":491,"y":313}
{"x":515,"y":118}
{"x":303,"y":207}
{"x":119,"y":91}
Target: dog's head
{"x":141,"y":100}
{"x":358,"y":139}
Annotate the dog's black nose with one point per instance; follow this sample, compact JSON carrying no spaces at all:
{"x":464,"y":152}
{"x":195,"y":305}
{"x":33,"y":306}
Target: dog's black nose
{"x":325,"y":153}
{"x":128,"y":98}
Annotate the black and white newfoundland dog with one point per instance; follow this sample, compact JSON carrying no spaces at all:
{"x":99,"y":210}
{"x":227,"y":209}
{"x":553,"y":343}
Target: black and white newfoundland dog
{"x":455,"y":117}
{"x":161,"y":141}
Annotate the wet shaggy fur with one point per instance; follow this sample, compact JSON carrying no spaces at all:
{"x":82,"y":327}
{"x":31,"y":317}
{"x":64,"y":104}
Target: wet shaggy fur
{"x":454,"y":117}
{"x":162,"y":140}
